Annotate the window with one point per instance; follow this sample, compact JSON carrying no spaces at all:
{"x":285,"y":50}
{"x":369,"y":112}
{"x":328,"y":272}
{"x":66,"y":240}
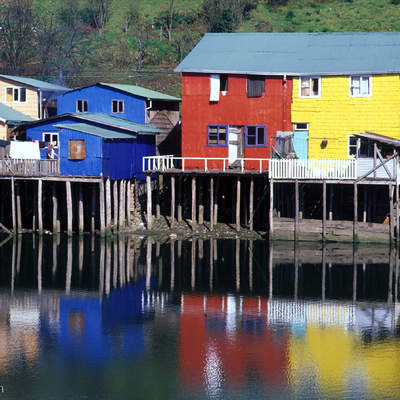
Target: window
{"x":360,"y":146}
{"x":76,"y":150}
{"x":255,"y":86}
{"x":300,"y":126}
{"x":255,"y":135}
{"x":310,"y":86}
{"x":16,"y":95}
{"x":216,"y":135}
{"x":223,"y":83}
{"x":81,"y":106}
{"x":117,"y":106}
{"x":360,"y":86}
{"x":352,"y":146}
{"x":50,"y":137}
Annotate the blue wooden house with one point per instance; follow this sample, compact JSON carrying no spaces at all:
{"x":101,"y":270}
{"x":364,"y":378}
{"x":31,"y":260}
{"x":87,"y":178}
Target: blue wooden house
{"x":89,"y":144}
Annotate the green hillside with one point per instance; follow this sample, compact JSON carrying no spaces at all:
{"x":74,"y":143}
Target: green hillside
{"x":78,"y":42}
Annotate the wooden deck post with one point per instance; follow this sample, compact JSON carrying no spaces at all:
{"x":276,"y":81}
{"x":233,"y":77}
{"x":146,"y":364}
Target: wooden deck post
{"x":34,"y":207}
{"x":179,"y":211}
{"x":80,"y":210}
{"x":211,"y":204}
{"x":391,"y":217}
{"x":324,"y":210}
{"x":365,"y":203}
{"x":55,"y":207}
{"x":149,"y":206}
{"x":251,"y":204}
{"x":108,"y":205}
{"x":172,"y":200}
{"x":102,"y":207}
{"x":238,"y":204}
{"x":158,"y":195}
{"x":271,"y":208}
{"x":193,"y":202}
{"x":69,"y":205}
{"x":121,"y":221}
{"x":18,"y":203}
{"x":216,"y":195}
{"x":13,"y":212}
{"x":115,"y":196}
{"x":128,"y":203}
{"x":40,"y":207}
{"x":355,"y":212}
{"x":201,"y":204}
{"x":330,"y":202}
{"x":296,"y":209}
{"x":93,"y":210}
{"x":397,"y":211}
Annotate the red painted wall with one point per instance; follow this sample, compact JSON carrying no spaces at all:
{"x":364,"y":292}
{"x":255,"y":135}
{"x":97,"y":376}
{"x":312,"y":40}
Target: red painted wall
{"x":235,"y":108}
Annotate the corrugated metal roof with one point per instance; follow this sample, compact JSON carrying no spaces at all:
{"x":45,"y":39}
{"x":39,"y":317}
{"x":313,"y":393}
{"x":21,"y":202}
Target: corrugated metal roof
{"x":9,"y":114}
{"x":45,"y":86}
{"x":295,"y":53}
{"x":379,"y":138}
{"x":96,"y":131}
{"x":141,"y":91}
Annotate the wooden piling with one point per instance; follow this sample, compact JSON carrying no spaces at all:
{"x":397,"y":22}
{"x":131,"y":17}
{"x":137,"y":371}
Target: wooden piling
{"x":158,"y":195}
{"x":172,"y":257}
{"x":93,"y":210}
{"x":201,"y":203}
{"x":324,"y":210}
{"x":122,"y":208}
{"x":216,"y":194}
{"x":271,"y":208}
{"x":397,"y":212}
{"x":80,"y":210}
{"x":296,"y":209}
{"x":55,"y":208}
{"x":172,"y":200}
{"x":128,"y":203}
{"x":365,"y":203}
{"x":108,"y":205}
{"x":102,"y":207}
{"x":355,"y":212}
{"x":193,"y":202}
{"x":149,"y":206}
{"x":330,"y":202}
{"x":40,"y":207}
{"x":148,"y":263}
{"x":391,"y":217}
{"x":13,"y":212}
{"x":251,"y":204}
{"x":179,"y":210}
{"x":238,"y":191}
{"x":39,"y":263}
{"x":115,"y":198}
{"x":34,"y":208}
{"x":18,"y":204}
{"x":211,"y":203}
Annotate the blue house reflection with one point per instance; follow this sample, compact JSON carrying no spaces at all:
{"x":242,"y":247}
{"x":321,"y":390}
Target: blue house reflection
{"x":94,"y":329}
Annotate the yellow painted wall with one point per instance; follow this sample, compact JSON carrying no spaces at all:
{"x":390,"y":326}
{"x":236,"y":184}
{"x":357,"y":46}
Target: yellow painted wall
{"x":30,"y":107}
{"x":335,"y":115}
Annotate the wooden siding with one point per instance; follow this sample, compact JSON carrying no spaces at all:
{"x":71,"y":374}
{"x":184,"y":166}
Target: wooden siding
{"x":30,"y":107}
{"x":272,"y":109}
{"x":335,"y":114}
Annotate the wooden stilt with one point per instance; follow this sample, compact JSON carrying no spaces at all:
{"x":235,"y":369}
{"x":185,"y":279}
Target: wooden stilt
{"x":80,"y":209}
{"x":101,"y":268}
{"x":40,"y":207}
{"x":148,"y":263}
{"x":69,"y":264}
{"x":324,"y":210}
{"x":102,"y":207}
{"x":34,"y":208}
{"x":296,"y":209}
{"x":93,"y":210}
{"x":397,"y":212}
{"x":355,"y":212}
{"x":211,"y":203}
{"x":18,"y":203}
{"x":211,"y":265}
{"x":296,"y":271}
{"x":238,"y":192}
{"x":55,"y":207}
{"x":108,"y":267}
{"x":172,"y":257}
{"x":330,"y":202}
{"x":39,"y":263}
{"x":172,"y":200}
{"x":128,"y":203}
{"x":201,"y":203}
{"x":108,"y":205}
{"x":323,"y":284}
{"x":391,"y":216}
{"x":115,"y":198}
{"x":13,"y":212}
{"x":216,"y":198}
{"x":193,"y":202}
{"x":271,"y":208}
{"x":251,"y":204}
{"x":158,"y":196}
{"x":121,"y":222}
{"x":365,"y":203}
{"x":179,"y":210}
{"x":149,"y":207}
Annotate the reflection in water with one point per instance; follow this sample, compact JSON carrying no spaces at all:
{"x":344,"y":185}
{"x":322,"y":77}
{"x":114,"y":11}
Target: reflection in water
{"x":198,"y":319}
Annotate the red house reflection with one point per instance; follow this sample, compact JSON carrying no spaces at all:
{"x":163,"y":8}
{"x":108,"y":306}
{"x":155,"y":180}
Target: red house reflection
{"x":226,"y":340}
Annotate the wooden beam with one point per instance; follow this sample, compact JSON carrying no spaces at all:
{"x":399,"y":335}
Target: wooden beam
{"x":296,"y":209}
{"x":128,"y":203}
{"x":172,"y":200}
{"x":364,"y":203}
{"x":324,"y":210}
{"x":179,"y":210}
{"x":13,"y":212}
{"x":355,"y":212}
{"x":251,"y":203}
{"x":115,"y":198}
{"x":216,"y":196}
{"x":193,"y":202}
{"x":40,"y":207}
{"x":54,"y":199}
{"x":80,"y":209}
{"x":108,"y":205}
{"x":158,"y":195}
{"x":331,"y":202}
{"x":211,"y":205}
{"x":93,"y":210}
{"x":238,"y":193}
{"x":121,"y":221}
{"x":397,"y":212}
{"x":102,"y":208}
{"x":149,"y":205}
{"x":18,"y":203}
{"x":201,"y":204}
{"x":69,"y":206}
{"x":383,"y":163}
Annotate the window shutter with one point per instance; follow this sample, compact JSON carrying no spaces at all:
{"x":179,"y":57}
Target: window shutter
{"x":214,"y":87}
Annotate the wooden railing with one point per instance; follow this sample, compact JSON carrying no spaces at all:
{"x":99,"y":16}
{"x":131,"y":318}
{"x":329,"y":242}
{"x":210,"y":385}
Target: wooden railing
{"x":24,"y":167}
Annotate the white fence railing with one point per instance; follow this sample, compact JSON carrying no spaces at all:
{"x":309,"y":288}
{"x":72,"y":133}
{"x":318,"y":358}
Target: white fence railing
{"x":26,"y":167}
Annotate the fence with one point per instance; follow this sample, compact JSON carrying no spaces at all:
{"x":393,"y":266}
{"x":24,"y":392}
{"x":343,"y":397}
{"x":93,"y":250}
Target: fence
{"x":24,"y":167}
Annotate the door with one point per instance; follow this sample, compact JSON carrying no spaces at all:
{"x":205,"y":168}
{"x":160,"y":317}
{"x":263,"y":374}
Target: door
{"x":235,"y":138}
{"x":300,"y":140}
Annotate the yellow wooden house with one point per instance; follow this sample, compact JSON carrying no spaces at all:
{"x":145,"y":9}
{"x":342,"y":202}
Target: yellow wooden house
{"x":352,"y":86}
{"x":25,"y":99}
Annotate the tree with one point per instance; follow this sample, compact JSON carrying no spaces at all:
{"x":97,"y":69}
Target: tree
{"x":99,"y":12}
{"x":17,"y":33}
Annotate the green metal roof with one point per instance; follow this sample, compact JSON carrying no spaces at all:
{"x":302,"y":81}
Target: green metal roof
{"x":45,"y":86}
{"x":295,"y":53}
{"x":96,"y":131}
{"x":141,"y":91}
{"x":116,"y":122}
{"x":8,"y":114}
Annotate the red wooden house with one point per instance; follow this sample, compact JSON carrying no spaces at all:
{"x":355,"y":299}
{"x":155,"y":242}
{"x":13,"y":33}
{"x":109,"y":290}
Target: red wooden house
{"x":231,"y":106}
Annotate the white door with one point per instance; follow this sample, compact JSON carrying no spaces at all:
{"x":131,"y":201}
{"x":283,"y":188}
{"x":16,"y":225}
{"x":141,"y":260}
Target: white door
{"x":234,"y":137}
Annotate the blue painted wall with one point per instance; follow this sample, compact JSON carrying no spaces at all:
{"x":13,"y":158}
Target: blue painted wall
{"x":145,"y":146}
{"x":92,"y":164}
{"x":99,"y":100}
{"x":119,"y":159}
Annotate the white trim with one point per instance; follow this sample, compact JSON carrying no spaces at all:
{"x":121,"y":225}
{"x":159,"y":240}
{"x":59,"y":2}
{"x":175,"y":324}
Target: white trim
{"x":348,"y":146}
{"x":18,"y":88}
{"x":76,"y":105}
{"x":51,"y":141}
{"x":311,"y":95}
{"x":369,"y":85}
{"x":295,"y":128}
{"x":118,"y":101}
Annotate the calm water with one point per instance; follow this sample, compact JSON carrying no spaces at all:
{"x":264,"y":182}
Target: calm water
{"x":225,"y":319}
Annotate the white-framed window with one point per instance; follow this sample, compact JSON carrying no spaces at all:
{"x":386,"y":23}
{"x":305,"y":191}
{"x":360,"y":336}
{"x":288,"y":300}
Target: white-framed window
{"x":300,"y":126}
{"x":360,"y":85}
{"x":352,"y":145}
{"x":81,"y":106}
{"x":15,"y":95}
{"x":50,"y":137}
{"x":310,"y":86}
{"x":117,"y":106}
